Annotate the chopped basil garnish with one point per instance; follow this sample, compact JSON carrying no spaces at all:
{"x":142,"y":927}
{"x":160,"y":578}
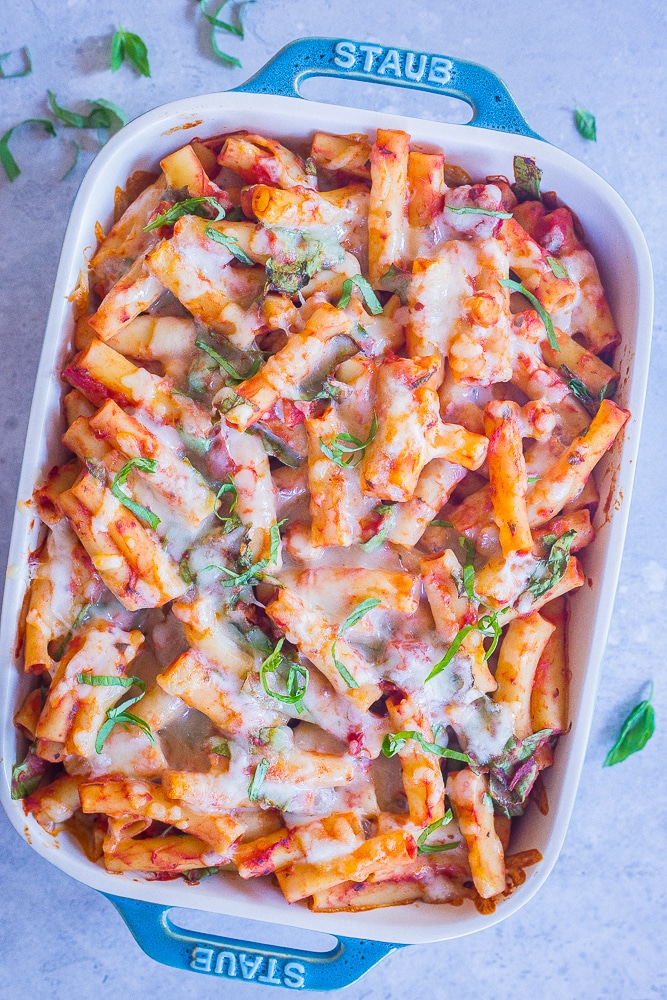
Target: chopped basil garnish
{"x":189,"y":206}
{"x":376,"y":540}
{"x":27,"y":776}
{"x":231,"y":517}
{"x":361,"y":609}
{"x":296,"y":683}
{"x":342,"y":669}
{"x":585,"y":123}
{"x":516,"y":286}
{"x":488,"y":626}
{"x":194,"y":875}
{"x":230,"y":243}
{"x":103,"y":115}
{"x":468,"y":568}
{"x":60,"y":652}
{"x":635,"y":732}
{"x":557,"y":267}
{"x":424,"y":848}
{"x":547,"y":573}
{"x":527,"y":177}
{"x":222,"y":748}
{"x":24,"y":52}
{"x":396,"y":280}
{"x":292,"y":275}
{"x":235,"y":377}
{"x":126,"y":44}
{"x":348,"y":444}
{"x":393,"y":743}
{"x":109,"y":680}
{"x":437,"y":523}
{"x":184,"y":571}
{"x":77,"y":152}
{"x":250,"y":575}
{"x":471,"y":210}
{"x":145,"y":465}
{"x":369,"y":296}
{"x":119,"y":716}
{"x":258,"y":779}
{"x":9,"y":163}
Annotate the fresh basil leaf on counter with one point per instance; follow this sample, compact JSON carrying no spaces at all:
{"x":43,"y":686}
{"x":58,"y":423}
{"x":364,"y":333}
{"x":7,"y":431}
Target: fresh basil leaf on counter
{"x":585,"y":123}
{"x":635,"y":732}
{"x":103,"y":115}
{"x":10,"y":165}
{"x":125,"y":44}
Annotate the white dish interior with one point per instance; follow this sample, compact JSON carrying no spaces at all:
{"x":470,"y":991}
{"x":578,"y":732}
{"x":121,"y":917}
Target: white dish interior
{"x":622,"y":256}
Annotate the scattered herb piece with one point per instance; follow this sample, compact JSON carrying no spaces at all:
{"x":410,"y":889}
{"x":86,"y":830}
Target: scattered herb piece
{"x":527,"y":177}
{"x":258,"y":779}
{"x":393,"y":743}
{"x":359,"y":612}
{"x":375,"y":541}
{"x":585,"y":123}
{"x":27,"y":63}
{"x":342,"y":669}
{"x":471,"y":210}
{"x":369,"y":296}
{"x":557,"y":267}
{"x":516,"y":286}
{"x":9,"y":163}
{"x":235,"y":377}
{"x":103,"y":115}
{"x":468,"y":568}
{"x":297,"y":678}
{"x":60,"y":651}
{"x":109,"y":680}
{"x":77,"y":152}
{"x":442,"y":524}
{"x":194,"y":875}
{"x":184,"y":570}
{"x":144,"y":465}
{"x":396,"y":280}
{"x":635,"y":732}
{"x":489,"y":627}
{"x":231,"y":517}
{"x":275,"y":446}
{"x":424,"y":848}
{"x":222,"y":748}
{"x":119,"y":716}
{"x":513,"y":773}
{"x":348,"y":444}
{"x":305,"y":257}
{"x":217,"y":24}
{"x":27,"y":776}
{"x":126,"y":44}
{"x":547,"y":573}
{"x":189,"y":206}
{"x":230,"y":242}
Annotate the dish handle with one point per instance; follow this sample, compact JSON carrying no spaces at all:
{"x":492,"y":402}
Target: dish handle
{"x":491,"y":102}
{"x":226,"y":958}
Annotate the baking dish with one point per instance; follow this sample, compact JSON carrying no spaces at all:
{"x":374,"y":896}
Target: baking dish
{"x":267,"y":104}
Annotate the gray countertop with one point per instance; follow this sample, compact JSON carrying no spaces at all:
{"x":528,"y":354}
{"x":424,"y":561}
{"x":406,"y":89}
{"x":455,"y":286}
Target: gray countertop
{"x":598,"y":927}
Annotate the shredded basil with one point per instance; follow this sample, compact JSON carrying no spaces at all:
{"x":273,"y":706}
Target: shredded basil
{"x":557,"y":268}
{"x":230,"y":243}
{"x":235,"y":377}
{"x":471,"y":210}
{"x":516,"y":286}
{"x":10,"y":165}
{"x":393,"y":743}
{"x":547,"y":573}
{"x":424,"y":848}
{"x":103,"y":115}
{"x":348,"y":444}
{"x":119,"y":716}
{"x":297,"y":678}
{"x":109,"y":680}
{"x":375,"y":541}
{"x":258,"y":779}
{"x":369,"y":296}
{"x":27,"y":63}
{"x":189,"y":206}
{"x":396,"y":281}
{"x":144,"y":465}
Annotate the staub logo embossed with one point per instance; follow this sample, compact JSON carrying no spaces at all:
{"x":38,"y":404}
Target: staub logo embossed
{"x":253,"y":966}
{"x":377,"y":61}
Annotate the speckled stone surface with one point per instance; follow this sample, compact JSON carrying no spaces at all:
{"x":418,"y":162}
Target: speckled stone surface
{"x":597,"y":930}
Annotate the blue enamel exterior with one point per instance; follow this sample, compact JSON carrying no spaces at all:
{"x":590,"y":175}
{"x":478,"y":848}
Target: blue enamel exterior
{"x":491,"y":102}
{"x":245,"y":961}
{"x":493,"y":108}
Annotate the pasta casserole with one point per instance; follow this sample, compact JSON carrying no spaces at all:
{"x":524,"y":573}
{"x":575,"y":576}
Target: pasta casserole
{"x":299,"y":608}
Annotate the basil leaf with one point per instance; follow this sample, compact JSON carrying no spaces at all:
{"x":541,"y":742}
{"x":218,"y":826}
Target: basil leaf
{"x":275,"y":446}
{"x":393,"y":743}
{"x":230,"y":242}
{"x":547,"y":574}
{"x":516,"y":286}
{"x":527,"y":177}
{"x":438,"y":667}
{"x":585,"y":123}
{"x":119,"y":717}
{"x":369,"y":296}
{"x":103,"y":115}
{"x":77,"y":152}
{"x":235,"y":378}
{"x":471,"y":210}
{"x":227,"y":488}
{"x":60,"y":652}
{"x":309,"y":257}
{"x":145,"y":465}
{"x":222,"y":748}
{"x":342,"y":669}
{"x":348,"y":444}
{"x":424,"y":848}
{"x":297,"y":678}
{"x":108,"y":680}
{"x":376,"y":540}
{"x":635,"y":732}
{"x":557,"y":267}
{"x":468,"y":568}
{"x":10,"y":165}
{"x":188,"y":206}
{"x":184,"y":571}
{"x":125,"y":43}
{"x":193,"y":876}
{"x":27,"y":64}
{"x":396,"y":281}
{"x":441,"y":524}
{"x":27,"y":776}
{"x":361,"y":609}
{"x":258,"y":779}
{"x":488,"y":626}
